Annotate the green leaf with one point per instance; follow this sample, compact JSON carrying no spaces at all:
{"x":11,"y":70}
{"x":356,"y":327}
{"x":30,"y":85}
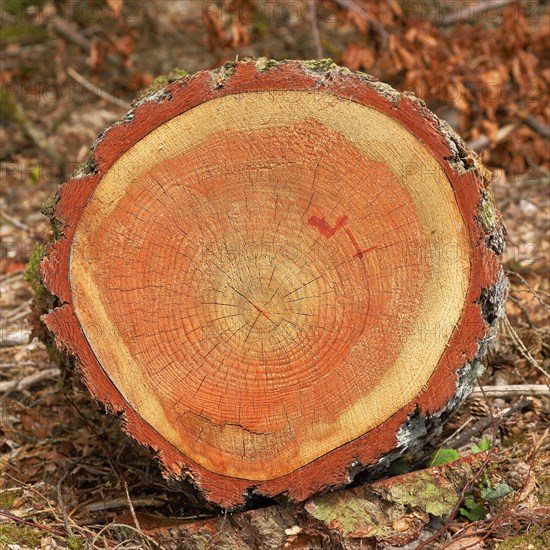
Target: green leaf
{"x":443,"y":456}
{"x":473,"y":510}
{"x":494,"y":493}
{"x":484,"y":445}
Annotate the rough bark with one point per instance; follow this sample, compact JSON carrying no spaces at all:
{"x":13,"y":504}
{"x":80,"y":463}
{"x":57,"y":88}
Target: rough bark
{"x":224,"y":177}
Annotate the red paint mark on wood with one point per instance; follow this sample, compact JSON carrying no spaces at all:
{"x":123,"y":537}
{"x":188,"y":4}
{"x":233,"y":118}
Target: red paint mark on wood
{"x":324,"y":227}
{"x":355,"y":243}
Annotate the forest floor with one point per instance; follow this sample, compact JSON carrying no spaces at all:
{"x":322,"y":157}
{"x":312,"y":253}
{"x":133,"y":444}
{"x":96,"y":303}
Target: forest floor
{"x":68,"y":472}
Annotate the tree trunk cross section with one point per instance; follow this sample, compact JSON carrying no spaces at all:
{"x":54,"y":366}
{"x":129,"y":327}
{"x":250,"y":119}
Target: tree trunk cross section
{"x":274,"y":271}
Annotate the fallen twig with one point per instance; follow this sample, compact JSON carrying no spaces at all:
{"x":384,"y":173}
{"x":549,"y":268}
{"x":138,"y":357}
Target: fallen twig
{"x":10,"y":365}
{"x":22,"y":310}
{"x":146,"y":538}
{"x":512,"y":390}
{"x":135,"y":519}
{"x":95,"y":89}
{"x":67,"y":30}
{"x":28,"y":381}
{"x":121,"y":502}
{"x":61,"y":502}
{"x":531,"y":290}
{"x":14,"y":221}
{"x":31,"y":524}
{"x":15,"y":274}
{"x":484,"y":141}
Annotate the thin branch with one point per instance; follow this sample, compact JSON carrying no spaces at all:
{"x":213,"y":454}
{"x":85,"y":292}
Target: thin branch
{"x":534,"y":292}
{"x":69,"y":31}
{"x":15,"y":274}
{"x":512,"y":390}
{"x":14,"y":221}
{"x":14,"y":338}
{"x":145,"y":538}
{"x":484,"y":141}
{"x":131,"y":506}
{"x":28,"y":381}
{"x":120,"y":502}
{"x":61,"y":502}
{"x":31,"y":524}
{"x":521,"y":308}
{"x":95,"y":89}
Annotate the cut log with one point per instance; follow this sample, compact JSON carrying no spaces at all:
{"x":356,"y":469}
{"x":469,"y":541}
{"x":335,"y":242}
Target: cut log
{"x":279,"y":273}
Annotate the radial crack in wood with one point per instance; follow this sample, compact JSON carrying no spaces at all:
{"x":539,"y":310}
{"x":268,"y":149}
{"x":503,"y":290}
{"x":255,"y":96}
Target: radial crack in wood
{"x":271,"y":269}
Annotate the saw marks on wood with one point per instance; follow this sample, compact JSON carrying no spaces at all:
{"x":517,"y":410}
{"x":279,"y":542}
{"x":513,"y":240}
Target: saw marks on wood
{"x":268,"y":276}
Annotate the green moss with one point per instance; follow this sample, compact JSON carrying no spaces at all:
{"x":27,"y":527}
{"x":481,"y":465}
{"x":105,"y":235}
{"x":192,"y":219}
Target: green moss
{"x":44,"y":302}
{"x":7,"y":498}
{"x":422,"y":493}
{"x":319,"y":65}
{"x":161,"y":82}
{"x":351,"y":514}
{"x":74,"y":543}
{"x":49,"y":206}
{"x":487,"y":211}
{"x":264,"y":64}
{"x":228,"y":69}
{"x":32,"y":273}
{"x":43,"y":299}
{"x":537,"y":538}
{"x":374,"y":511}
{"x":49,"y":210}
{"x":12,"y":533}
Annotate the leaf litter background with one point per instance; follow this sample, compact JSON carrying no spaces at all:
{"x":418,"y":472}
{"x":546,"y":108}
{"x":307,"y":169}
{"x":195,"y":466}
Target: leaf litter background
{"x":70,"y":68}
